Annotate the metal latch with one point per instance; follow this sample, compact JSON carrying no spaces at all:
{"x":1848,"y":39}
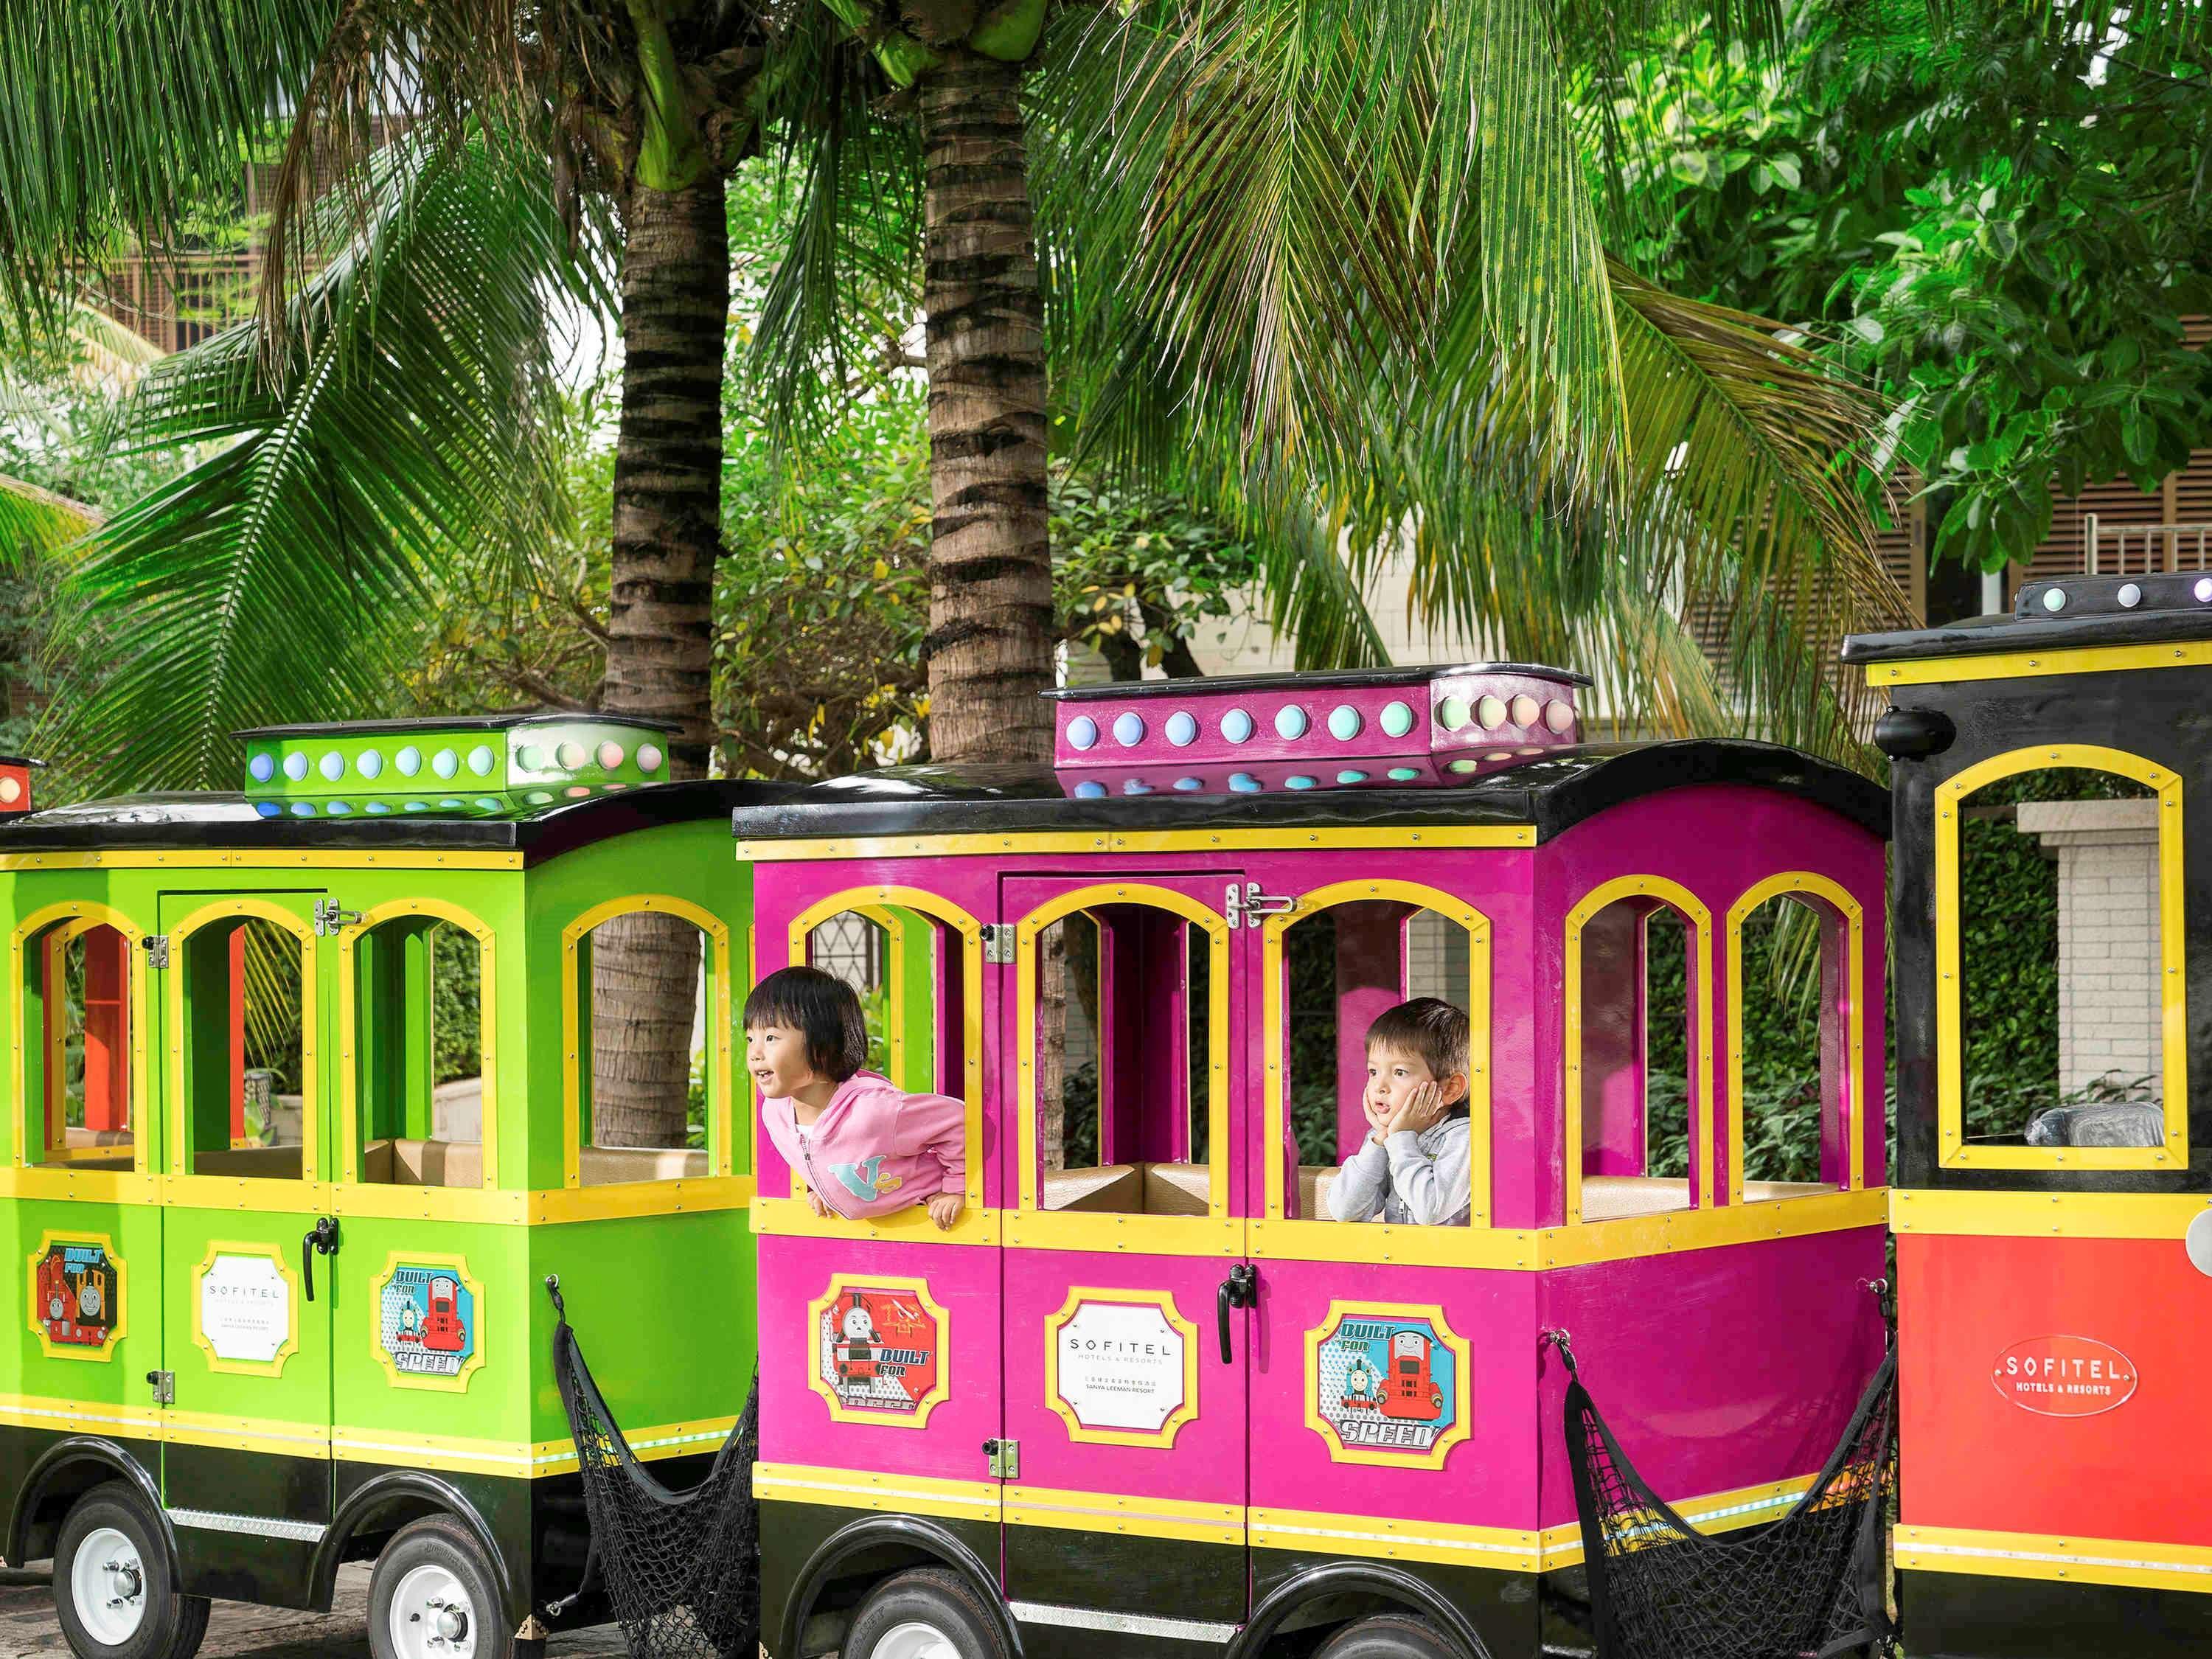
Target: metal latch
{"x":1005,"y":1458}
{"x":1244,"y":906}
{"x":157,"y":949}
{"x":165,"y":1387}
{"x":331,"y":916}
{"x":999,"y":942}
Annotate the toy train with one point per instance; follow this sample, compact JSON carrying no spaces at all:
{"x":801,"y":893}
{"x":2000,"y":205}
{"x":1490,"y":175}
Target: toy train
{"x":1145,"y":1389}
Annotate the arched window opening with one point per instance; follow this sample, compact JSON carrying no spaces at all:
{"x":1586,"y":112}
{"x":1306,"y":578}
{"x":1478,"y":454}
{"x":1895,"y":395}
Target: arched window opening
{"x":1793,"y":1019}
{"x":419,"y":1044}
{"x":76,"y":1041}
{"x":651,"y":1067}
{"x":1123,"y":1062}
{"x":906,"y":968}
{"x":246,"y":1049}
{"x":1636,"y":1082}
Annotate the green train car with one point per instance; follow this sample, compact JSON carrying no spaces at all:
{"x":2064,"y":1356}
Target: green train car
{"x":281,"y":1316}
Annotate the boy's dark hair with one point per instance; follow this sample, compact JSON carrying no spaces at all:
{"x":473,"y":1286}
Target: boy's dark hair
{"x":1429,"y":1027}
{"x":822,"y":1008}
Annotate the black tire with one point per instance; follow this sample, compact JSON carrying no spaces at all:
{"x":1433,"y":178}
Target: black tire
{"x":1390,"y":1635}
{"x":436,"y":1545}
{"x":169,"y":1625}
{"x":928,"y":1595}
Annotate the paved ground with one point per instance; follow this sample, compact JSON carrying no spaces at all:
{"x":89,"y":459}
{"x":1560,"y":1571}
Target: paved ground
{"x":27,"y":1626}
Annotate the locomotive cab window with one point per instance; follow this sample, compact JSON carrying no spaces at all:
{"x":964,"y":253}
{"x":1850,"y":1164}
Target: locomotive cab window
{"x":906,"y":967}
{"x":2060,"y":989}
{"x":243,"y":1004}
{"x":76,"y":1039}
{"x":1129,"y":1005}
{"x":1640,"y":980}
{"x":1797,"y":1057}
{"x":1347,"y":959}
{"x":420,"y":1039}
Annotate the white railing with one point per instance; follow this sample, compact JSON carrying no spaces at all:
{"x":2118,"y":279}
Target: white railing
{"x":2143,"y":549}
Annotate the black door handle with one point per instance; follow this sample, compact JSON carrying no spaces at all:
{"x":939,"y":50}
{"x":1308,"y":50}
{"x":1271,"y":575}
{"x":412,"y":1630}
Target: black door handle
{"x":323,"y":1240}
{"x":1240,"y":1290}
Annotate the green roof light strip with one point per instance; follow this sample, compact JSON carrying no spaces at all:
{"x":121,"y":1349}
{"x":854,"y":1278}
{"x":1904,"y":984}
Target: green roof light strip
{"x":575,"y":757}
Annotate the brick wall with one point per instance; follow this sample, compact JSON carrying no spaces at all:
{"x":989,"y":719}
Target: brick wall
{"x":2108,"y":944}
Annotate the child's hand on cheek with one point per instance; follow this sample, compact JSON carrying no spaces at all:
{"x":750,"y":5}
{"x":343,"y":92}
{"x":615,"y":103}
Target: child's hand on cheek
{"x":1378,"y":1117}
{"x":944,"y":1209}
{"x":1419,"y":1111}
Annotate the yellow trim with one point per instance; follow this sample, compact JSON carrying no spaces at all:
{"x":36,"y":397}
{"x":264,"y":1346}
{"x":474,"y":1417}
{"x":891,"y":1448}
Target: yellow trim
{"x":184,"y":859}
{"x":1216,"y":1233}
{"x":1144,"y":841}
{"x":1700,"y":919}
{"x":718,"y":1058}
{"x":82,"y":917}
{"x":919,"y":1289}
{"x":1854,"y":917}
{"x":1313,"y":1532}
{"x":864,"y":1489}
{"x":689,"y":1196}
{"x":1955,"y":1152}
{"x":74,"y":1416}
{"x":1462,"y":1362}
{"x":246,"y":1434}
{"x":1133,"y":1517}
{"x":349,"y":939}
{"x":120,"y":1304}
{"x":459,"y":1268}
{"x":972,"y":1219}
{"x":793,"y":1218}
{"x":1165,"y":1301}
{"x":2045,"y":1556}
{"x":1477,"y":927}
{"x":216,"y":1362}
{"x":2022,"y":665}
{"x":2044,"y":1215}
{"x":61,"y":1184}
{"x":284,"y":1193}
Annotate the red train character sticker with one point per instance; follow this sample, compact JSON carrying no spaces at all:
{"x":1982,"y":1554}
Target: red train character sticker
{"x":426,"y":1327}
{"x":1387,"y":1385}
{"x":77,"y":1296}
{"x":878,"y":1350}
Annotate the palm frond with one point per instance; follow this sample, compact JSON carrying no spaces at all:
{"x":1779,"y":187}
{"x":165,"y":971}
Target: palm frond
{"x":407,"y":430}
{"x":34,"y":520}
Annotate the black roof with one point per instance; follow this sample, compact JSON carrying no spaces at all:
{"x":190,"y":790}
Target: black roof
{"x":1553,"y":792}
{"x":216,"y":820}
{"x":2159,"y":609}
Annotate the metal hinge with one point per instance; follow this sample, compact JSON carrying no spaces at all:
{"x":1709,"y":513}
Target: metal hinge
{"x":1244,"y":906}
{"x":165,"y":1387}
{"x":999,"y":941}
{"x":331,"y":916}
{"x":157,"y":949}
{"x":1005,"y":1458}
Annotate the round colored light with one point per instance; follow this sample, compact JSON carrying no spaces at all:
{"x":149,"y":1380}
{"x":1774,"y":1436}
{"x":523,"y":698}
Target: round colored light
{"x":1298,"y":780}
{"x":574,"y":792}
{"x":1129,"y":729}
{"x":451,"y":805}
{"x":1350,"y":776}
{"x":1344,"y":723}
{"x":1465,"y":764}
{"x":1500,"y":755}
{"x":1190,"y":783}
{"x":261,"y":767}
{"x":417,"y":806}
{"x":1291,"y":722}
{"x":571,"y":755}
{"x":1243,"y":783}
{"x":1451,"y":714}
{"x":649,"y":757}
{"x":482,"y":760}
{"x":336,"y":809}
{"x":1559,"y":716}
{"x":303,"y":809}
{"x":1397,"y":719}
{"x":408,"y":761}
{"x":369,"y":762}
{"x":377,"y":808}
{"x":2129,"y":596}
{"x":445,"y":762}
{"x":269,"y":809}
{"x":490,"y":803}
{"x":1236,"y":726}
{"x":331,"y":766}
{"x":1181,"y":728}
{"x":2054,"y":599}
{"x":11,"y":791}
{"x":1090,"y":789}
{"x":611,"y":755}
{"x":2202,"y":590}
{"x":296,"y":766}
{"x":1082,"y":731}
{"x":529,"y":757}
{"x":539,"y":797}
{"x":1136,"y":786}
{"x":1490,"y":713}
{"x":1404,"y":774}
{"x":1526,"y":711}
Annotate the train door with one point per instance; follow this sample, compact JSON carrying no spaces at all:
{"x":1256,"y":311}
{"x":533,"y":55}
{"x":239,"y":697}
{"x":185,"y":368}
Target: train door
{"x":1126,"y":1348}
{"x":249,"y":1291}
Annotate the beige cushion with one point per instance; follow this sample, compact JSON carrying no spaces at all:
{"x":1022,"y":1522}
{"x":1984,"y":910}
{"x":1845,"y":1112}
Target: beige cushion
{"x":610,"y":1166}
{"x":262,"y":1163}
{"x":95,"y":1137}
{"x":1176,"y":1188}
{"x":1115,"y":1188}
{"x":1756,"y":1191}
{"x":1314,"y":1182}
{"x":1611,"y":1198}
{"x":423,"y":1163}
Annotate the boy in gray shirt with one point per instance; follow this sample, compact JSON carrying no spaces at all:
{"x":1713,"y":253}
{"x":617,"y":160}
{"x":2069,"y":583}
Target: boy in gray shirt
{"x":1412,"y":1166}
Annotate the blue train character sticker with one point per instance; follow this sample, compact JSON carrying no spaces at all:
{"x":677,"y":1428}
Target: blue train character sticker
{"x":1387,"y":1384}
{"x":426,"y":1329}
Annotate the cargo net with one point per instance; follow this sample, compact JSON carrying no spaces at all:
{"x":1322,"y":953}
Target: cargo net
{"x":682,"y":1568}
{"x":1811,"y":1585}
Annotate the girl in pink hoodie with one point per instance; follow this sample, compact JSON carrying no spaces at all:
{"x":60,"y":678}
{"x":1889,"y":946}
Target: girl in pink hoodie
{"x":863,"y":1147}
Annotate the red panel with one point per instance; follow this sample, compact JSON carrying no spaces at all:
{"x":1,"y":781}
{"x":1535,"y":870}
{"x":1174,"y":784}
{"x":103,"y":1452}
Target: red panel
{"x":107,"y":1030}
{"x":237,"y":1034}
{"x":1980,"y":1450}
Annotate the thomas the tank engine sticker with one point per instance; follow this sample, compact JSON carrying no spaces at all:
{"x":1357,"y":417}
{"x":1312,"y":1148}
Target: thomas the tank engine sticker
{"x":427,"y":1335}
{"x":76,"y":1297}
{"x":879,"y":1351}
{"x":1387,"y":1384}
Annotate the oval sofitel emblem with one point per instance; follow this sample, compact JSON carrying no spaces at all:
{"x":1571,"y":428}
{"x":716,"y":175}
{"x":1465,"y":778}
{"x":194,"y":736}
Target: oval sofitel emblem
{"x":2064,"y":1375}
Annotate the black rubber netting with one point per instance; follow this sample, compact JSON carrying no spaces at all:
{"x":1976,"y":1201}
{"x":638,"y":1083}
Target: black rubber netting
{"x":681,"y":1568}
{"x":1811,"y":1585}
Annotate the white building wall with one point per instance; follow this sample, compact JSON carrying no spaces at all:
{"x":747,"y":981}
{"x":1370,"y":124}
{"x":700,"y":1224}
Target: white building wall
{"x":2109,"y":1027}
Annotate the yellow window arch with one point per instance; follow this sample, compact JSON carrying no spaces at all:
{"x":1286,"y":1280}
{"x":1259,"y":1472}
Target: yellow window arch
{"x":66,"y":922}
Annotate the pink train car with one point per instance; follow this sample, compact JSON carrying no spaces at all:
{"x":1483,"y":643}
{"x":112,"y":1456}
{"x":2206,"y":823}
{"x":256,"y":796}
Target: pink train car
{"x":1147,"y":1391}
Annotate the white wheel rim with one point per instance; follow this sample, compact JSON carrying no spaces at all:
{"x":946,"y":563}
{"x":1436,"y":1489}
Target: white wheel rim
{"x":914,"y":1640}
{"x":431,"y":1616}
{"x":107,"y":1586}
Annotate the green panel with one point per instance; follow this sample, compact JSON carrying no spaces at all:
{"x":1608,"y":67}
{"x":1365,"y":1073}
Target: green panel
{"x":915,"y":985}
{"x":430,"y":763}
{"x":113,"y":1373}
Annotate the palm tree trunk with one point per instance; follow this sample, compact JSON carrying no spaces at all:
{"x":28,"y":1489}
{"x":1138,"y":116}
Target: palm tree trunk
{"x":990,"y":602}
{"x":667,"y":535}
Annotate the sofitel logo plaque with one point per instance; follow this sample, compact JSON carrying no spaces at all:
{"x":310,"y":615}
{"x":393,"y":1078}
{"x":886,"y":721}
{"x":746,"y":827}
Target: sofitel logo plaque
{"x":2064,"y":1375}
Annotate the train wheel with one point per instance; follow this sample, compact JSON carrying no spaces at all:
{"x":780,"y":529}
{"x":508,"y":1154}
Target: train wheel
{"x":929,"y":1613}
{"x":112,"y":1588}
{"x":1389,"y":1636}
{"x":433,"y":1595}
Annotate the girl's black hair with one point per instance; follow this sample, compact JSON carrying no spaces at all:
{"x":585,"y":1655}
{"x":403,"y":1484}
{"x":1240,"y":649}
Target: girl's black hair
{"x":822,"y":1008}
